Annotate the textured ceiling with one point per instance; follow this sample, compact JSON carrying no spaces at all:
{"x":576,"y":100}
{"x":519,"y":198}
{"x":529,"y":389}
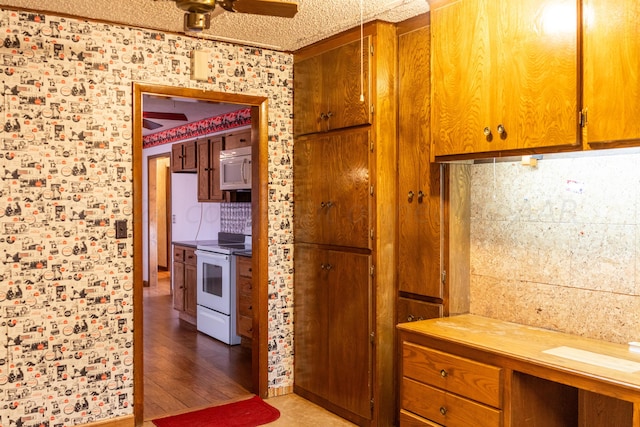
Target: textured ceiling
{"x":315,"y":20}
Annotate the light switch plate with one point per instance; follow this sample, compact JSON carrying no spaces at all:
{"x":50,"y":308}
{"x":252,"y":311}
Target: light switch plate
{"x":199,"y":65}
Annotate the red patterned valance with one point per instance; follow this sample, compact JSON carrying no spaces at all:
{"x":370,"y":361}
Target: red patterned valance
{"x":203,"y":127}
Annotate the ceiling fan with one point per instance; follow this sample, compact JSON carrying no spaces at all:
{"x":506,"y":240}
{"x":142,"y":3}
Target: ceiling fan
{"x":198,"y":12}
{"x":151,"y":125}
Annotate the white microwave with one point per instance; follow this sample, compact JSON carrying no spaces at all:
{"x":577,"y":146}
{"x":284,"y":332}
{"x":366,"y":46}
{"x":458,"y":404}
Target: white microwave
{"x":235,"y":169}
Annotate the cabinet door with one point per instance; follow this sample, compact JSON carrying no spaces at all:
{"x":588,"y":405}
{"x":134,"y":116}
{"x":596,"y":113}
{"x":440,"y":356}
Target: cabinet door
{"x":332,"y":189}
{"x":237,"y":140}
{"x":328,"y":88}
{"x":461,"y":64}
{"x":536,"y":57}
{"x":176,"y":157}
{"x":345,"y":76}
{"x":190,"y":288}
{"x":418,"y":179}
{"x":333,"y":326}
{"x":308,"y":101}
{"x":178,"y":286}
{"x":204,"y":171}
{"x":190,"y":156}
{"x":611,"y":77}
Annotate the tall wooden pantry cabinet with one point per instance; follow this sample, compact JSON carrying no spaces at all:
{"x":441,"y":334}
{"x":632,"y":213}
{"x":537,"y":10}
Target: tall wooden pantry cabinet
{"x":345,"y":223}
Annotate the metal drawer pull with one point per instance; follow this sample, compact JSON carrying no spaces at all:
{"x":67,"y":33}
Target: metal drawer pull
{"x":443,"y":410}
{"x":443,"y":373}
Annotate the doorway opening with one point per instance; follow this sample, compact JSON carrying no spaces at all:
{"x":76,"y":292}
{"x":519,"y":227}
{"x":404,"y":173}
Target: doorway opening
{"x":158,"y":216}
{"x":259,"y":213}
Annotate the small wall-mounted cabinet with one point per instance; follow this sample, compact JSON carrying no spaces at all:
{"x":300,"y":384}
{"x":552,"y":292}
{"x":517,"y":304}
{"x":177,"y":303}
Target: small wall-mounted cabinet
{"x":184,"y":157}
{"x":505,"y":78}
{"x":237,"y":139}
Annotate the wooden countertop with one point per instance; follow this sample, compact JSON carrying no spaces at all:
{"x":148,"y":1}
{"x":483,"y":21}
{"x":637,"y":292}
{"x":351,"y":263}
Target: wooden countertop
{"x":569,"y":359}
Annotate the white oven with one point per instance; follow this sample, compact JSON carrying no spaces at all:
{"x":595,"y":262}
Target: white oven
{"x":216,"y":295}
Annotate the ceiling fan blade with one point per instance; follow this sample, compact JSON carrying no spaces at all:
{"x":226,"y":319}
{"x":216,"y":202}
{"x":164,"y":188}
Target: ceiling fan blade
{"x":284,"y":9}
{"x":148,"y":124}
{"x":158,"y":115}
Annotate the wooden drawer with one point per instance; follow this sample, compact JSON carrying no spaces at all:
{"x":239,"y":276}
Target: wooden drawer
{"x":407,"y":419}
{"x":445,"y":408}
{"x":178,"y":254}
{"x":237,"y":139}
{"x":190,"y":256}
{"x":455,"y":374}
{"x":244,"y":306}
{"x":244,"y":267}
{"x":243,"y":286}
{"x":245,"y":326}
{"x":410,"y":310}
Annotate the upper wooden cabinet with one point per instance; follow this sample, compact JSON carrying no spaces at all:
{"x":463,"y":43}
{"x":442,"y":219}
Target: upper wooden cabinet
{"x":505,"y":78}
{"x":332,"y":184}
{"x":209,"y":170}
{"x":327,"y":88}
{"x":184,"y":157}
{"x":612,"y":73}
{"x":237,"y":139}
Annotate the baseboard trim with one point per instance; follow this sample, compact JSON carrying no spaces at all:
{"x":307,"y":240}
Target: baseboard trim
{"x":124,"y":421}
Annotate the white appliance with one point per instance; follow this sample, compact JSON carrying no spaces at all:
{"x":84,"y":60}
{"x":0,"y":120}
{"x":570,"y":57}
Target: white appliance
{"x":235,"y":169}
{"x":216,"y":292}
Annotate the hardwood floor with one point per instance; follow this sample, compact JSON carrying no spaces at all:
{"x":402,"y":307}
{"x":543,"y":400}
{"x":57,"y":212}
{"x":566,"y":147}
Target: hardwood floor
{"x":185,"y":370}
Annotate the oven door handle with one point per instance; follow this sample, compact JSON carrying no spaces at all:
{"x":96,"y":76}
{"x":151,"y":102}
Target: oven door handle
{"x":212,"y":255}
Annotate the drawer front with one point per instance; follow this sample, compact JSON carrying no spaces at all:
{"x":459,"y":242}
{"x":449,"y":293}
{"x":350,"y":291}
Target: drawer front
{"x":459,"y":375}
{"x":190,"y":256}
{"x":407,"y":419}
{"x":245,"y":325}
{"x":178,"y":254}
{"x":243,"y":286}
{"x":410,"y":310}
{"x":244,"y":306}
{"x":445,"y":408}
{"x":243,"y":267}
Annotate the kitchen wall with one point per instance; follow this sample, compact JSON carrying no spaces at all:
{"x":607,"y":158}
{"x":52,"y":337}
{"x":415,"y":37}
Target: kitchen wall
{"x":558,"y":245}
{"x":66,"y":176}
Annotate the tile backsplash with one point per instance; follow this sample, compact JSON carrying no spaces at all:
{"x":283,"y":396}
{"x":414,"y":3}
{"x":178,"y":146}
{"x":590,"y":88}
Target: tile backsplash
{"x":235,"y":218}
{"x":558,"y":245}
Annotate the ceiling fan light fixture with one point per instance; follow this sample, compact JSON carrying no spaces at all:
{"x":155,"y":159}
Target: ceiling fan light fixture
{"x":196,"y":6}
{"x":194,"y":21}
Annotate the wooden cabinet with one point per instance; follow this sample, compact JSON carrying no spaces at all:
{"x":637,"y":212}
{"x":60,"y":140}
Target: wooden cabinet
{"x":237,"y":139}
{"x":345,"y":225}
{"x":505,"y":78}
{"x":611,"y":78}
{"x":332,"y":172}
{"x":328,"y":86}
{"x":471,"y":370}
{"x":209,"y":170}
{"x":244,"y":298}
{"x":184,"y":277}
{"x":184,"y":157}
{"x":333,"y":343}
{"x":419,"y":204}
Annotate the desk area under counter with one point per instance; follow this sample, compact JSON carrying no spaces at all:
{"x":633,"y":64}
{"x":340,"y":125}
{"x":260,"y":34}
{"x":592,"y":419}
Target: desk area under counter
{"x":472,"y":370}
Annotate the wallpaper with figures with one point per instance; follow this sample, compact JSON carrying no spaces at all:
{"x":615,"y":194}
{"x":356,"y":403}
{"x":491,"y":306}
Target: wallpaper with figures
{"x":66,"y":177}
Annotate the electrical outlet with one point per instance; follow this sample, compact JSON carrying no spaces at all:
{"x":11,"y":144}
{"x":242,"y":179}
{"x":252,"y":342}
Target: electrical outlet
{"x":121,"y":229}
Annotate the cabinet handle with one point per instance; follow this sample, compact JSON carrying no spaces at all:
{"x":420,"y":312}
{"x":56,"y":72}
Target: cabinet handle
{"x":501,"y":129}
{"x":326,"y":266}
{"x":487,"y":131}
{"x":443,"y":373}
{"x":329,"y":114}
{"x":420,"y":196}
{"x":410,"y":195}
{"x":443,"y":410}
{"x":326,"y":205}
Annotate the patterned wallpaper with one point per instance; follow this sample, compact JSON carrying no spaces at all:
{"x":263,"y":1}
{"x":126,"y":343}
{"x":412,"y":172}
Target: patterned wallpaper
{"x":66,"y":177}
{"x":558,"y":246}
